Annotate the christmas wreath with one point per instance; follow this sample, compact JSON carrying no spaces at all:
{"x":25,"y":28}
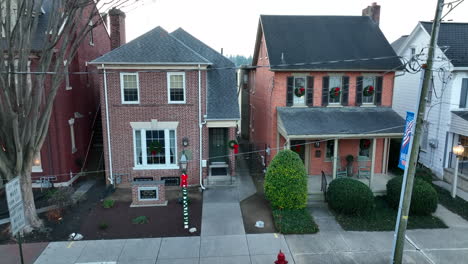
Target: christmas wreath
{"x":299,"y":91}
{"x":335,"y":92}
{"x":369,"y":90}
{"x":234,"y":145}
{"x":155,"y":147}
{"x":365,"y":143}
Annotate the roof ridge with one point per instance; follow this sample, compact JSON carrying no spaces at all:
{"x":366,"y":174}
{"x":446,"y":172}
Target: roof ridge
{"x":181,"y":42}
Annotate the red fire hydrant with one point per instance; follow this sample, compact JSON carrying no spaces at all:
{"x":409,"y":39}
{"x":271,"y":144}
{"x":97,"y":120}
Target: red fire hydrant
{"x":281,"y":259}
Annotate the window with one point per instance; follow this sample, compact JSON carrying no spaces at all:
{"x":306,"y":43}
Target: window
{"x":368,"y":89}
{"x":155,"y":148}
{"x":335,"y":82}
{"x":365,"y":148}
{"x":129,"y":88}
{"x":299,"y":87}
{"x":412,"y":52}
{"x":176,"y":87}
{"x":91,"y":36}
{"x":464,"y":94}
{"x":330,"y":149}
{"x":429,"y":92}
{"x":148,"y":193}
{"x":37,"y":163}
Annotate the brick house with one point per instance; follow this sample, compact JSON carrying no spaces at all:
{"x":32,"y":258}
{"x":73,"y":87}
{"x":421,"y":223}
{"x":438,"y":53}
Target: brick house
{"x":309,"y":93}
{"x":164,"y":96}
{"x":66,"y":148}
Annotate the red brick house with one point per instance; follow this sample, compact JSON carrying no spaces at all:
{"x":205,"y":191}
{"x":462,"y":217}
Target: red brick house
{"x":309,"y":93}
{"x":164,"y":96}
{"x":66,"y":148}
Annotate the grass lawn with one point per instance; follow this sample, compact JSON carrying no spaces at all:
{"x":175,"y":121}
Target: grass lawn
{"x":294,"y":221}
{"x":384,"y":219}
{"x":457,"y":205}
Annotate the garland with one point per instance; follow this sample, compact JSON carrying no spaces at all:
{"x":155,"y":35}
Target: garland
{"x":369,"y":90}
{"x":299,"y":91}
{"x":155,"y":147}
{"x":335,"y":92}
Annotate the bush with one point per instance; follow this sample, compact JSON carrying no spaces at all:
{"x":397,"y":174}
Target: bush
{"x":424,"y":174}
{"x":294,"y":221}
{"x":108,"y":203}
{"x":140,"y":220}
{"x":286,"y":181}
{"x":423,"y":200}
{"x":351,"y":197}
{"x":103,"y":226}
{"x":62,"y":197}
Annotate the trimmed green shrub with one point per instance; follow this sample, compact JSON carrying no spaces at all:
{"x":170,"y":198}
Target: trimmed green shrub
{"x":351,"y":197}
{"x":140,"y":220}
{"x":103,"y":226}
{"x":286,"y":181}
{"x":423,"y":200}
{"x":294,"y":221}
{"x":424,"y":174}
{"x":108,"y":203}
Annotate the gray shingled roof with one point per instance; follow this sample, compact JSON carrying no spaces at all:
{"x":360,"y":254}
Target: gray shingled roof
{"x":154,"y":47}
{"x":453,"y":36}
{"x":299,"y":39}
{"x":340,"y":120}
{"x":222,"y":90}
{"x":399,"y":42}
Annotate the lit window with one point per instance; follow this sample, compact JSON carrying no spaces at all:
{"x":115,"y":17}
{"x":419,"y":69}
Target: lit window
{"x":37,"y":163}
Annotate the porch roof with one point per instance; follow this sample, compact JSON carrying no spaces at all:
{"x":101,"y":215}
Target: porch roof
{"x":462,"y":114}
{"x":339,"y":121}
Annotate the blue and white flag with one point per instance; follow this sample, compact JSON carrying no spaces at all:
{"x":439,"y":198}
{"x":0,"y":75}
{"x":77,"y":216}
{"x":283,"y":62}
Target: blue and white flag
{"x":410,"y":122}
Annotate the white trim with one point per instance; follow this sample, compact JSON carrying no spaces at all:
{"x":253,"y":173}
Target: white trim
{"x":122,"y":87}
{"x":169,"y":101}
{"x":71,"y":122}
{"x":144,"y":165}
{"x":230,"y":123}
{"x":154,"y":124}
{"x":148,"y":188}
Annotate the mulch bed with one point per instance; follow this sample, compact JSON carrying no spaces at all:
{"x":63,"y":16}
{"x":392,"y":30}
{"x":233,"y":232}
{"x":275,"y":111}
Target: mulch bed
{"x":164,"y":221}
{"x":256,"y":208}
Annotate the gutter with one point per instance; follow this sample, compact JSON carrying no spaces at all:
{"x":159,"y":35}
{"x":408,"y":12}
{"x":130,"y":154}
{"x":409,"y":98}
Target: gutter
{"x":200,"y":125}
{"x":111,"y":175}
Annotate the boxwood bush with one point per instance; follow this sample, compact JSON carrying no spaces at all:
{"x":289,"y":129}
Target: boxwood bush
{"x":351,"y":197}
{"x":286,"y":181}
{"x":423,"y":200}
{"x":424,"y":174}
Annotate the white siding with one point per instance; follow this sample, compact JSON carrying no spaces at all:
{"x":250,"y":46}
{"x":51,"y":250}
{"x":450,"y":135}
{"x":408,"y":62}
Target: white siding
{"x":445,"y":98}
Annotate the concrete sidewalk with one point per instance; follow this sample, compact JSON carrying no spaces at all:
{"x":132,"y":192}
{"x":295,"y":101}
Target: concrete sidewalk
{"x":460,"y":193}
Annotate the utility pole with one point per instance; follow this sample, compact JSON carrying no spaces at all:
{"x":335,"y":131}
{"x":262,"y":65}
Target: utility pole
{"x":403,"y":221}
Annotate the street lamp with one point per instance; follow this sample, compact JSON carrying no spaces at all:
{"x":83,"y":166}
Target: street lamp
{"x":458,"y":151}
{"x":183,"y":162}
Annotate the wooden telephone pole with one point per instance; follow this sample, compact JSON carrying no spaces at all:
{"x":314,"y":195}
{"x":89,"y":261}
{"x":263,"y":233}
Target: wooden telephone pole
{"x":403,"y":221}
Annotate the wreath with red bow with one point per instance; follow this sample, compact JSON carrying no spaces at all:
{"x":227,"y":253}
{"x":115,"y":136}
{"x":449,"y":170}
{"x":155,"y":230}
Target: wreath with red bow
{"x":369,"y":90}
{"x":299,"y":91}
{"x":233,"y":144}
{"x":365,"y":143}
{"x":335,"y":92}
{"x":155,"y":147}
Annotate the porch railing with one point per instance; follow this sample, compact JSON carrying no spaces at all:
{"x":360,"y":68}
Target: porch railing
{"x":462,"y":163}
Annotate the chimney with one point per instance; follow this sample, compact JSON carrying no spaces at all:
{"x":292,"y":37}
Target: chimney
{"x":372,"y":11}
{"x":117,"y":27}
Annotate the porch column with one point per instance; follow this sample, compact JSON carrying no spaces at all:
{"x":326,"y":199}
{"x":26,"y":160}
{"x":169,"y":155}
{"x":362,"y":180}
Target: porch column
{"x":374,"y":143}
{"x":335,"y":157}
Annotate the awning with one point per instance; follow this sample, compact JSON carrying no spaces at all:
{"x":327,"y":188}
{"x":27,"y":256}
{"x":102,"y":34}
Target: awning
{"x":324,"y":122}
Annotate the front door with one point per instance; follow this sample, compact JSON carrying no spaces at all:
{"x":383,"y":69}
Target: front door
{"x":299,"y":147}
{"x":218,"y":144}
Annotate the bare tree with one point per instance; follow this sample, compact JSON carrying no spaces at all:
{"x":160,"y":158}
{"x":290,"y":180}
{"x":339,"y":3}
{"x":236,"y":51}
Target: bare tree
{"x":30,"y":77}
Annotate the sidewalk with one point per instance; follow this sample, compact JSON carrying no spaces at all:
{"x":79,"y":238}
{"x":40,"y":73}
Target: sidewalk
{"x":460,"y":193}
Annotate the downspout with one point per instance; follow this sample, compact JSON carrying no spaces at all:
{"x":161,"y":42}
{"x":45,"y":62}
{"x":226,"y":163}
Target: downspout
{"x":111,"y":179}
{"x":200,"y":125}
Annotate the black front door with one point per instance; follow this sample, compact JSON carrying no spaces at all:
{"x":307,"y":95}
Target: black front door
{"x":218,"y":144}
{"x":298,"y":146}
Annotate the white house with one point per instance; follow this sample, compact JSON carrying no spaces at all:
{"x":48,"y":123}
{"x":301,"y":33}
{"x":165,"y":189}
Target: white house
{"x":447,"y":101}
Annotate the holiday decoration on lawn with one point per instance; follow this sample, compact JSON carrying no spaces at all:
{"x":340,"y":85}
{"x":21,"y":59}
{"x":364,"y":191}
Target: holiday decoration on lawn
{"x":183,"y":184}
{"x":335,"y":92}
{"x":365,"y":143}
{"x":234,"y":145}
{"x":299,"y":91}
{"x":369,"y":90}
{"x":155,"y":147}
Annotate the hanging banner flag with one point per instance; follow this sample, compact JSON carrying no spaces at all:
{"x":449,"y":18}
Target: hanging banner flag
{"x":404,"y":155}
